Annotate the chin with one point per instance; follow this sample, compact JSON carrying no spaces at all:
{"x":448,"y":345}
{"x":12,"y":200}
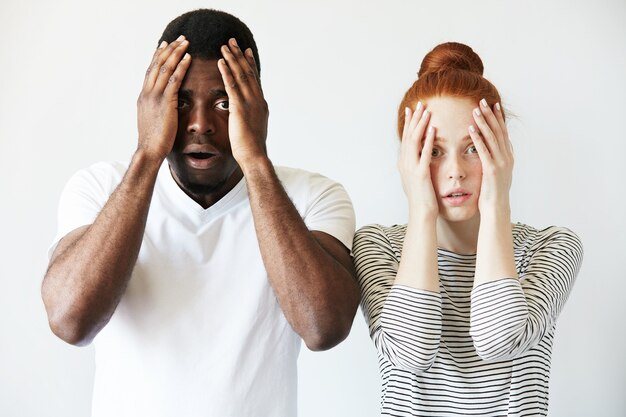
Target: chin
{"x":457,"y":215}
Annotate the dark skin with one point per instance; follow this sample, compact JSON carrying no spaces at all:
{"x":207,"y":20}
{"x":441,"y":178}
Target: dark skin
{"x":209,"y":119}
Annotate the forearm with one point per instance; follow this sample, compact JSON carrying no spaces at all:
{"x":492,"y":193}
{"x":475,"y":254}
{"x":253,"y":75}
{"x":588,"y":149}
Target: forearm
{"x":89,"y":270}
{"x":316,"y":292}
{"x":495,"y":259}
{"x":410,"y":328}
{"x":418,"y":265}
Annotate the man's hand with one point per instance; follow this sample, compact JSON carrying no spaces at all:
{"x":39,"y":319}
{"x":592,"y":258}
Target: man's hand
{"x":248,"y":111}
{"x":157,"y":106}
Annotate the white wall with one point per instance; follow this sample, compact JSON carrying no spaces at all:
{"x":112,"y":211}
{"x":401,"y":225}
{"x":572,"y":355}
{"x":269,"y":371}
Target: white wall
{"x":334,"y":73}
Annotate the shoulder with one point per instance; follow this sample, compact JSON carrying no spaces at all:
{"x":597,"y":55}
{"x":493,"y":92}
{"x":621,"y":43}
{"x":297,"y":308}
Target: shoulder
{"x":550,"y":247}
{"x":552,"y":236}
{"x":100,"y":176}
{"x":388,"y":238}
{"x":310,"y":189}
{"x":294,"y":178}
{"x":391,"y":234}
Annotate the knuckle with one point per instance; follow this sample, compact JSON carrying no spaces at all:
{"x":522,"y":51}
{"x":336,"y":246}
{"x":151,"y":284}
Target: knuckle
{"x":172,"y":79}
{"x":164,"y":68}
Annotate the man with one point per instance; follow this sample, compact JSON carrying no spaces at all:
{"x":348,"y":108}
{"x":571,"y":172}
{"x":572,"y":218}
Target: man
{"x":197,"y":277}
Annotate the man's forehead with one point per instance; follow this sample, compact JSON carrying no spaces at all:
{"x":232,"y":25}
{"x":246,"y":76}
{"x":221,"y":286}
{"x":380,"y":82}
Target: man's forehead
{"x":204,"y":75}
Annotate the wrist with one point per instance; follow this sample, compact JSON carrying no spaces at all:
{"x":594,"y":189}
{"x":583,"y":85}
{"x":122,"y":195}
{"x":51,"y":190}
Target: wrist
{"x":254,"y":165}
{"x":148,"y":159}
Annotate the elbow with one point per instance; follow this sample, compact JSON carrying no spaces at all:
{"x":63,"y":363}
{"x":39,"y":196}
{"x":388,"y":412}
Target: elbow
{"x":413,"y":363}
{"x":326,"y":337}
{"x":500,"y":348}
{"x":65,"y":324}
{"x":68,"y":329}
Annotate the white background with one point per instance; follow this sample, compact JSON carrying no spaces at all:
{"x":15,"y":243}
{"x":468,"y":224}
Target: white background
{"x":333,"y":73}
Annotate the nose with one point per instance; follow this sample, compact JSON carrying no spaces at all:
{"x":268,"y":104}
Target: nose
{"x":455,"y":168}
{"x":200,"y":121}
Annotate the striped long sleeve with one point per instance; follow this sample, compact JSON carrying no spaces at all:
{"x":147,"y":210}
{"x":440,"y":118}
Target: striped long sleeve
{"x":510,"y":316}
{"x":481,"y":351}
{"x":404,"y":322}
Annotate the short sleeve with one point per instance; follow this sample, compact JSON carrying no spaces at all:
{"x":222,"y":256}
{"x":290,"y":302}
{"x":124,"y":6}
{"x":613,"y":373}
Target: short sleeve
{"x":84,"y":195}
{"x":323,"y":203}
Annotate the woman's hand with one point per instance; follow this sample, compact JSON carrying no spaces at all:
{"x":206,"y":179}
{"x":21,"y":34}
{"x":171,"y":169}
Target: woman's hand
{"x":414,"y":162}
{"x":496,"y":155}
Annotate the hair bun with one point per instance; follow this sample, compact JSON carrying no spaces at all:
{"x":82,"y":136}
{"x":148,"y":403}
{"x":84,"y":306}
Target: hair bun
{"x":451,"y":55}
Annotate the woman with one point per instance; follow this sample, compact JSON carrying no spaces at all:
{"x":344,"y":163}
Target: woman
{"x":461,"y":304}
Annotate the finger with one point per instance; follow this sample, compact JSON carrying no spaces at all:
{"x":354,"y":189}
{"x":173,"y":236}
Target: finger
{"x":417,"y":116}
{"x":150,"y":73}
{"x":494,"y":125}
{"x":487,"y":134}
{"x":240,"y":68}
{"x":410,"y":141}
{"x":407,"y":119}
{"x":232,"y":89}
{"x":168,"y":67}
{"x":427,"y":149}
{"x":483,"y":151}
{"x":505,"y":131}
{"x":160,"y":58}
{"x":420,"y":130}
{"x":176,"y":79}
{"x":252,"y":63}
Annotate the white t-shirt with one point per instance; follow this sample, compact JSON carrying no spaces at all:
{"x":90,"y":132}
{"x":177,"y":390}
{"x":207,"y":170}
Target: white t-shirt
{"x":199,"y":331}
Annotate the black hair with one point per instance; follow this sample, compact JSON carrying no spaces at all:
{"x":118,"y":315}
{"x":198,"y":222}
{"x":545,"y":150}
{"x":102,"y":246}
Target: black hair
{"x":207,"y":30}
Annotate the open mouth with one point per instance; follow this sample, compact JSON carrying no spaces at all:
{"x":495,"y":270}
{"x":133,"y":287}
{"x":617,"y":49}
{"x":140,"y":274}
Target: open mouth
{"x":453,"y":195}
{"x":201,"y":160}
{"x":200,"y":155}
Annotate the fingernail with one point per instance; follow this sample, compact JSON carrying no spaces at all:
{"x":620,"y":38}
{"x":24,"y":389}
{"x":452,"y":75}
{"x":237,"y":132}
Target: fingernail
{"x":472,"y":128}
{"x":419,"y":106}
{"x":234,"y":41}
{"x":430,"y":129}
{"x":406,"y":112}
{"x":484,"y":103}
{"x":186,"y":56}
{"x":426,"y":112}
{"x":477,"y":112}
{"x":162,"y":44}
{"x":498,"y":107}
{"x":180,"y":38}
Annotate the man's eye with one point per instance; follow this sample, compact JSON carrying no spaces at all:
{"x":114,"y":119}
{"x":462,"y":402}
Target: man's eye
{"x":182,"y":104}
{"x":222,"y":105}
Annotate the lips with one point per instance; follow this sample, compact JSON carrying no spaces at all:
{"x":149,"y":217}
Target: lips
{"x":201,"y":159}
{"x":200,"y":155}
{"x":457,"y":197}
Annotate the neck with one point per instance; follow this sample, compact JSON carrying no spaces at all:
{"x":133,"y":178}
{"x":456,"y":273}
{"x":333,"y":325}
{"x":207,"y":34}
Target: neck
{"x":458,"y":237}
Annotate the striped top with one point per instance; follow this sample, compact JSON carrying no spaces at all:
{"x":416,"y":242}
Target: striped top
{"x":482,"y":352}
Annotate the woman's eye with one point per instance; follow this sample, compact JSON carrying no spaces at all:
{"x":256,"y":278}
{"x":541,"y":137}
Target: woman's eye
{"x":472,"y":149}
{"x":222,"y":105}
{"x":435,"y":152}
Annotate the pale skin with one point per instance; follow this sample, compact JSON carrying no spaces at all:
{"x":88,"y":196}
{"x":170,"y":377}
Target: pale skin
{"x":456,"y":166}
{"x":310,"y":271}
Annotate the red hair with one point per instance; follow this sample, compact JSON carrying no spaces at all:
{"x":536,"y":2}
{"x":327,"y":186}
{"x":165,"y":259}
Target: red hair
{"x":450,"y":69}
